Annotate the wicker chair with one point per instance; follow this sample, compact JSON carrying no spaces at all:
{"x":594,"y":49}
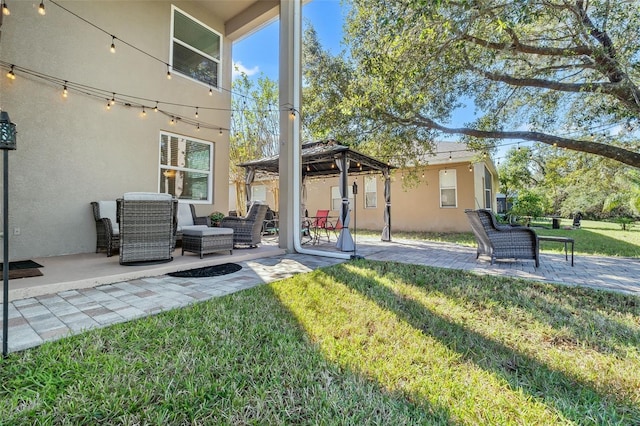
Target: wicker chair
{"x":147,"y":227}
{"x":107,"y":229}
{"x":248,"y":229}
{"x":502,"y":242}
{"x":187,"y":219}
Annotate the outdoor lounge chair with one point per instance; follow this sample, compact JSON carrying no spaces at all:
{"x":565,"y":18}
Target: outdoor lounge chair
{"x":147,"y":227}
{"x":107,"y":229}
{"x":248,"y":229}
{"x":187,"y":219}
{"x":502,"y":242}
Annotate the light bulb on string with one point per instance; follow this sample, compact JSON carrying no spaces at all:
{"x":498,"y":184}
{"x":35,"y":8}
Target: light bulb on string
{"x":210,"y":91}
{"x":113,"y":99}
{"x":144,"y":112}
{"x":5,"y":9}
{"x":196,"y":112}
{"x":198,"y":127}
{"x":41,"y":9}
{"x":155,"y":108}
{"x":450,"y":156}
{"x":172,"y":122}
{"x":168,"y":72}
{"x":108,"y":104}
{"x":64,"y":90}
{"x":11,"y":74}
{"x":112,"y":49}
{"x":292,"y":113}
{"x":220,"y":131}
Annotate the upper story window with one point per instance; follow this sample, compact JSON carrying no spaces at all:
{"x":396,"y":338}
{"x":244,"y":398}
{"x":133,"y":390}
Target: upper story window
{"x":448,"y":188}
{"x":196,"y":49}
{"x":186,"y":168}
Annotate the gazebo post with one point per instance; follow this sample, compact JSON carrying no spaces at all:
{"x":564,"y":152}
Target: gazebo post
{"x":386,"y":231}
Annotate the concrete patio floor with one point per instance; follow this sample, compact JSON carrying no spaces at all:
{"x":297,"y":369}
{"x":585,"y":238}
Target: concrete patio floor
{"x":81,"y":292}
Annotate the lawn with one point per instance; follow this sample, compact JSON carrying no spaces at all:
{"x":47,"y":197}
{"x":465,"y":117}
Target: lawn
{"x":362,"y":342}
{"x":595,"y":238}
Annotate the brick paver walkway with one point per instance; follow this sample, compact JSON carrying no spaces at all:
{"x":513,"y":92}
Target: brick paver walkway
{"x":35,"y":320}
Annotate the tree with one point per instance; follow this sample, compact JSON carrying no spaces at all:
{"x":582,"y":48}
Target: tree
{"x":559,"y":72}
{"x":254,"y":127}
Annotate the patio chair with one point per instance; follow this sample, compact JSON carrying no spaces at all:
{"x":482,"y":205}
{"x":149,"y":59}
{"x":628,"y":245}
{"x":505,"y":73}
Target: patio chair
{"x":187,"y":218}
{"x":502,"y":242}
{"x":147,"y":227}
{"x":322,"y":225}
{"x":107,"y":228}
{"x":248,"y":229}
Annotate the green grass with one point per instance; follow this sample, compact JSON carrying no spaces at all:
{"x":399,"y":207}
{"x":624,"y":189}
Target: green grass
{"x":595,"y":238}
{"x":361,"y":342}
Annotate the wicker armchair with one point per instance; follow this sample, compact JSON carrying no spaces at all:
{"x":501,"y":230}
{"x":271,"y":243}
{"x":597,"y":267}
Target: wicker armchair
{"x":502,"y":242}
{"x":187,"y":219}
{"x":248,"y":229}
{"x":107,"y":229}
{"x":147,"y":227}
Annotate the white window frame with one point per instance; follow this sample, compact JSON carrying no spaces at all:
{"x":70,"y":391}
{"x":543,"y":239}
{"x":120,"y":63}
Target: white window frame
{"x":176,"y":169}
{"x":488,"y":191}
{"x":218,"y":87}
{"x":337,"y":201}
{"x":368,"y":182}
{"x":448,"y":173}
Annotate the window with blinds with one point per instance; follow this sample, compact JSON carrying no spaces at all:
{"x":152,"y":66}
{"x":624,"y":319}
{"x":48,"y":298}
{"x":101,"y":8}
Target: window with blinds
{"x":186,"y":167}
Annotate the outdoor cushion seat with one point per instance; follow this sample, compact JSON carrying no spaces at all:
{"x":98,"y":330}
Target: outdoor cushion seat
{"x":502,"y":242}
{"x":147,"y":227}
{"x":205,"y":240}
{"x":187,"y":219}
{"x":107,"y":227}
{"x":248,"y":229}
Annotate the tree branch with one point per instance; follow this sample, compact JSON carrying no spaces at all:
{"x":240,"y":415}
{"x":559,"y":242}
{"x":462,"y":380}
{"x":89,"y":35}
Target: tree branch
{"x":622,"y":155}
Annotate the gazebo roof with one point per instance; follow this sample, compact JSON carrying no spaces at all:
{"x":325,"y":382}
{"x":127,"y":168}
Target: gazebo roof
{"x":318,"y":159}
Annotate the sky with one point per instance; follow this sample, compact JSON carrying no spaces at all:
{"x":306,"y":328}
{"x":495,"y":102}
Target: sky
{"x":258,"y":53}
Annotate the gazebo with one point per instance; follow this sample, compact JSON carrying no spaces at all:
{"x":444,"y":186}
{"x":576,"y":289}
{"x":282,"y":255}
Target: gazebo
{"x":331,"y":158}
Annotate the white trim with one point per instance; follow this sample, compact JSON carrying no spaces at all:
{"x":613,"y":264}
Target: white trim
{"x":454,"y":187}
{"x":219,"y":62}
{"x":209,"y":173}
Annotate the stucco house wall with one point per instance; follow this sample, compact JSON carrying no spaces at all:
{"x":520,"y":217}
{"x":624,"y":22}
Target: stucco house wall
{"x":72,"y":151}
{"x":413,"y":208}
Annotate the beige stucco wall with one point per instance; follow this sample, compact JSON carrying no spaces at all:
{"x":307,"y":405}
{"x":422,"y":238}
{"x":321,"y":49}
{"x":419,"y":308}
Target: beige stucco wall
{"x":73,"y":151}
{"x":414,"y":208}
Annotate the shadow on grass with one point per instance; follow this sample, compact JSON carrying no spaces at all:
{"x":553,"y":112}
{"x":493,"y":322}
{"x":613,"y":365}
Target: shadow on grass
{"x":567,"y":394}
{"x":592,"y":242}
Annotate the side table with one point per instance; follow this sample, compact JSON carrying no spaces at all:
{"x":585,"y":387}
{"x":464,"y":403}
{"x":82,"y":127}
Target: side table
{"x":564,"y":240}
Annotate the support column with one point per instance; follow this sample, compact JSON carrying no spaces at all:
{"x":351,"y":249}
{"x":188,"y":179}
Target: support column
{"x":290,"y":88}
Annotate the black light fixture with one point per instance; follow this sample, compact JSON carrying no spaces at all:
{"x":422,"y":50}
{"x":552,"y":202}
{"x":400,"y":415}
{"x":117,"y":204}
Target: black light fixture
{"x":7,"y":143}
{"x":355,"y":255}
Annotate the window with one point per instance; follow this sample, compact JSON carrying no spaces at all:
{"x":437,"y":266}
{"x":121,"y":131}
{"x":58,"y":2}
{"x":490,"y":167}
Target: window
{"x":487,"y":188}
{"x":195,"y":49}
{"x":336,"y":199}
{"x":259,"y":193}
{"x":370,"y":192}
{"x":186,"y":167}
{"x":448,"y":192}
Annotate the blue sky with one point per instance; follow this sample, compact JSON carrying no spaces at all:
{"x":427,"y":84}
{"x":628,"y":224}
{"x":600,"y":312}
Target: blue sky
{"x":258,"y":53}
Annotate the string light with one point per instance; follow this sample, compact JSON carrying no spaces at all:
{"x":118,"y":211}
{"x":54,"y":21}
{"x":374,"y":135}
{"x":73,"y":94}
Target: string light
{"x":64,"y":90}
{"x":210,"y":91}
{"x":11,"y":74}
{"x":470,"y":167}
{"x":450,"y":158}
{"x":112,"y":49}
{"x":5,"y":9}
{"x":292,"y":113}
{"x":108,"y":104}
{"x":168,"y":72}
{"x":155,"y":108}
{"x":220,"y":132}
{"x":113,"y":99}
{"x":41,"y":10}
{"x":198,"y":127}
{"x":173,"y":121}
{"x":196,"y":112}
{"x":144,"y":112}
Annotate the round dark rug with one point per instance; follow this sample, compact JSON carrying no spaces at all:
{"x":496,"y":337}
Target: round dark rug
{"x":208,"y":271}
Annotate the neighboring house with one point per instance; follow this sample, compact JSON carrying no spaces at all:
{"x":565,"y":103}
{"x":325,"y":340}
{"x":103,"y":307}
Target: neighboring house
{"x":87,"y":129}
{"x":453,"y":180}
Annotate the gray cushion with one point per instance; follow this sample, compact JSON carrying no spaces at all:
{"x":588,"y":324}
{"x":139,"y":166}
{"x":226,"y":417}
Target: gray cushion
{"x":184,"y":215}
{"x":147,"y":196}
{"x":206,"y":231}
